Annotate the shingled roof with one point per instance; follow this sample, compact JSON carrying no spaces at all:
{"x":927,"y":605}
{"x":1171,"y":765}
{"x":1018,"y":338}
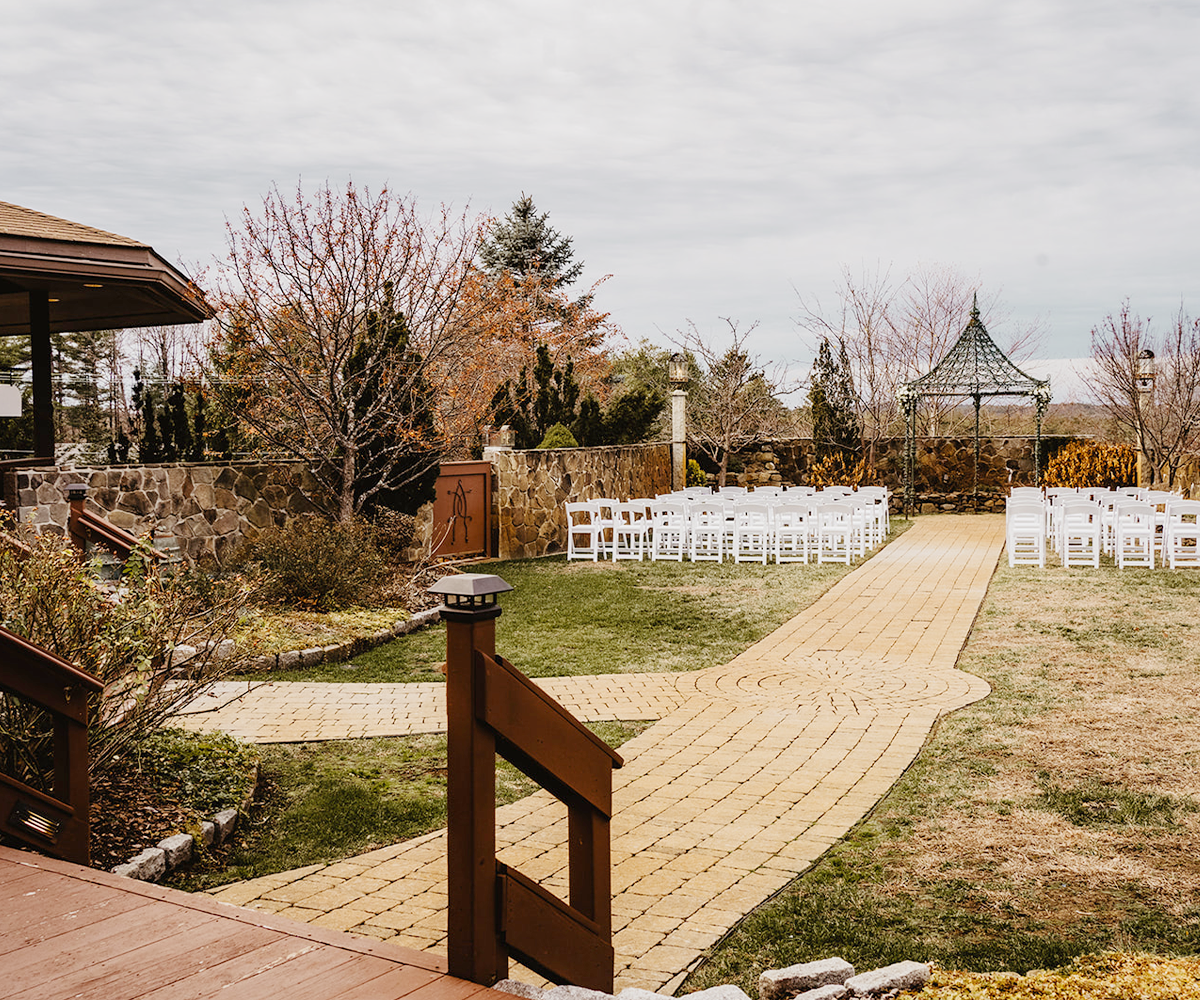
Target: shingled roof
{"x":18,"y":221}
{"x":95,"y":280}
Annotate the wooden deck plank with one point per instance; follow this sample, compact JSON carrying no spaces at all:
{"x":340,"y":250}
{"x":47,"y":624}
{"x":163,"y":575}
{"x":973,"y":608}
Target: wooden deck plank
{"x":310,"y":976}
{"x":227,"y":977}
{"x":68,"y":931}
{"x":161,"y":957}
{"x":33,"y":915}
{"x":394,"y":984}
{"x":94,"y":933}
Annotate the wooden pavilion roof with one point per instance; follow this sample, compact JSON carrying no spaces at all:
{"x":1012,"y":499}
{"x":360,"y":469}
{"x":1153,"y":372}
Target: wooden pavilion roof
{"x":95,"y":280}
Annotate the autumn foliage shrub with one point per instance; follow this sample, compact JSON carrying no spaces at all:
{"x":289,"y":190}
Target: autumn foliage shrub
{"x":836,"y":470}
{"x":318,"y":565}
{"x":1092,"y":463}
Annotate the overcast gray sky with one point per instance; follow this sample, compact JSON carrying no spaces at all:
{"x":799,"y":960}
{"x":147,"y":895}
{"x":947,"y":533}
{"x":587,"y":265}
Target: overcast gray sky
{"x":713,"y":157}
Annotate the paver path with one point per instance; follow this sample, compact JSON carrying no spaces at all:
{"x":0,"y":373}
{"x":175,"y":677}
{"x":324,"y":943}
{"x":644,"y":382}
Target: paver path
{"x":758,"y":767}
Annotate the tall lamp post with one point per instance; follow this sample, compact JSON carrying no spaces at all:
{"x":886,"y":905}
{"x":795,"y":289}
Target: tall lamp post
{"x":677,"y":372}
{"x":1146,"y":372}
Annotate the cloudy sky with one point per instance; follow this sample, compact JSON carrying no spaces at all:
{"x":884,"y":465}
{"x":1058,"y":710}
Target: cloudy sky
{"x":715,"y":158}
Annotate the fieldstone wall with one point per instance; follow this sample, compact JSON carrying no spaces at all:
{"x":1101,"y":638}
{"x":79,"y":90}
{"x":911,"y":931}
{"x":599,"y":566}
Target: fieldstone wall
{"x":209,"y":509}
{"x":532,"y":486}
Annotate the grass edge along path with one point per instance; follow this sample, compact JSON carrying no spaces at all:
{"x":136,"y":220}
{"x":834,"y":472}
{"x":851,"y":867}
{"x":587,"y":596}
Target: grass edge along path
{"x":576,"y":618}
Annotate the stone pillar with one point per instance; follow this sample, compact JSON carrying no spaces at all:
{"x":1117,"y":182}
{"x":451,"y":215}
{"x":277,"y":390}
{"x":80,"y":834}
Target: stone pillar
{"x":678,"y":439}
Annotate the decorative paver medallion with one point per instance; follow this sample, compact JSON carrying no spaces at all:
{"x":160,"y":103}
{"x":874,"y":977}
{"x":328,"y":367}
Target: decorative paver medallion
{"x":754,"y":768}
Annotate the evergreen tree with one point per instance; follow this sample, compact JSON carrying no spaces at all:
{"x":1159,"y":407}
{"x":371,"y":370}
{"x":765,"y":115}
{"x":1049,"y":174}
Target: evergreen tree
{"x":837,"y":429}
{"x":524,"y":245}
{"x":398,"y":458}
{"x":532,"y":408}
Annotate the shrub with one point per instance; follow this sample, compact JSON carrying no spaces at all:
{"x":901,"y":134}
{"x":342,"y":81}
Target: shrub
{"x":835,"y":470}
{"x":559,"y":436}
{"x":124,"y":635}
{"x":696,"y":476}
{"x":1091,"y":463}
{"x":313,"y":563}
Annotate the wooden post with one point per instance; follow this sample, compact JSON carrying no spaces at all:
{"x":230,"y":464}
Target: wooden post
{"x":40,"y":358}
{"x":475,"y":945}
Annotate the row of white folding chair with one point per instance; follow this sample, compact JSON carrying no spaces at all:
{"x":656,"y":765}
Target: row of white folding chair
{"x":749,"y":532}
{"x":1128,"y":529}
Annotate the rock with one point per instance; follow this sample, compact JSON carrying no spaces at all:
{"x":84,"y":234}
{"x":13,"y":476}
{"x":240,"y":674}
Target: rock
{"x":727,"y":992}
{"x":208,"y":832}
{"x":520,"y":989}
{"x":775,"y":984}
{"x":178,"y":849}
{"x":834,"y":991}
{"x":635,"y":993}
{"x":181,"y":654}
{"x":575,"y":993}
{"x":225,"y":821}
{"x":148,"y":866}
{"x":897,"y":976}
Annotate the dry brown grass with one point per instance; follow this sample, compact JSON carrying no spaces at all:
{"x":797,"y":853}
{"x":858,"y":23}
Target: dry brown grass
{"x":1105,"y":684}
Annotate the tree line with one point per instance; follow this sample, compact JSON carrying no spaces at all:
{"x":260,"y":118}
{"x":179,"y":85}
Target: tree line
{"x":373,"y":341}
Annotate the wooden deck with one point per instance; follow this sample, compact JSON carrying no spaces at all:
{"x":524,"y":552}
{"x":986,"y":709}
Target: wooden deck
{"x":68,"y":931}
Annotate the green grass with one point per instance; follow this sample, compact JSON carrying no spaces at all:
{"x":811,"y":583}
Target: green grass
{"x":593,"y":618}
{"x":1053,"y":819}
{"x":322,"y":802}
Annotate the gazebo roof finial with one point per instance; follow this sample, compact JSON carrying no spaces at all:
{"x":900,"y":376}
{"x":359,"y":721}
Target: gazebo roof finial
{"x":975,"y":306}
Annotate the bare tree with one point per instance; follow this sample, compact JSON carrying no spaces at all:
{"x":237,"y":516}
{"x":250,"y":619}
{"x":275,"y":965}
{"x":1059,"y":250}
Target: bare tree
{"x":337,"y":315}
{"x":1151,"y":385}
{"x":734,"y":402}
{"x":896,"y":332}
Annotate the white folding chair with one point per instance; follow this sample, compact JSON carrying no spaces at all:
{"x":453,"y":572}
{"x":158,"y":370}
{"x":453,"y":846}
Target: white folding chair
{"x":706,"y":531}
{"x":1135,"y":531}
{"x":793,"y":531}
{"x":835,"y":532}
{"x":752,"y":533}
{"x":584,"y":535}
{"x":1080,"y":531}
{"x":1025,"y":532}
{"x":631,"y":527}
{"x":668,"y":530}
{"x":606,"y":521}
{"x":1182,"y":542}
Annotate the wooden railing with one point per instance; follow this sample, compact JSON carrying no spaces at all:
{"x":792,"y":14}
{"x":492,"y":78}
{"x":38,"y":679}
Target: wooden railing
{"x":56,"y":823}
{"x":85,"y":526}
{"x":494,"y":910}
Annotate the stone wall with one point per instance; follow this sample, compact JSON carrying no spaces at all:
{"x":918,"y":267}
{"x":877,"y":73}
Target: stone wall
{"x":208,"y":509}
{"x":532,"y":486}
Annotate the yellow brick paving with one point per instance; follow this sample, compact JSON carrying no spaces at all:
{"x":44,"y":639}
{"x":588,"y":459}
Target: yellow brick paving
{"x":755,"y":768}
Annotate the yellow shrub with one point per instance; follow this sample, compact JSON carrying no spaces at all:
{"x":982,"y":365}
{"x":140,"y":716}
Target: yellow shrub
{"x":834,"y":470}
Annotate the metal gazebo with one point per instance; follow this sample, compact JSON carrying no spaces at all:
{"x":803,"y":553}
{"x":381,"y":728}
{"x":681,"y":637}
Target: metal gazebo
{"x":973,"y":368}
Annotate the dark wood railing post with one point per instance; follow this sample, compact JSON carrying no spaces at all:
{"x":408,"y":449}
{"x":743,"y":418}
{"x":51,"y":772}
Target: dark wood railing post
{"x":475,"y":948}
{"x":494,"y":910}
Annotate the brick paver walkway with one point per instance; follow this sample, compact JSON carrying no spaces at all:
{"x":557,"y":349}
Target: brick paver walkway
{"x":754,"y":769}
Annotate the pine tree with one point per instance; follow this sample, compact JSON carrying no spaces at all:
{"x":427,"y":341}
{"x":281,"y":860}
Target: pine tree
{"x":525,"y":245}
{"x":532,"y":409}
{"x":397,"y":457}
{"x":837,"y":429}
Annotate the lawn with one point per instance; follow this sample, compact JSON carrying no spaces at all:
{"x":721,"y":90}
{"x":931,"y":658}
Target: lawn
{"x":1057,"y":817}
{"x":592,"y":618}
{"x":321,"y":802}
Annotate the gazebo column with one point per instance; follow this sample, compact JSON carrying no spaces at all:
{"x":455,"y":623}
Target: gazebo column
{"x":40,"y":356}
